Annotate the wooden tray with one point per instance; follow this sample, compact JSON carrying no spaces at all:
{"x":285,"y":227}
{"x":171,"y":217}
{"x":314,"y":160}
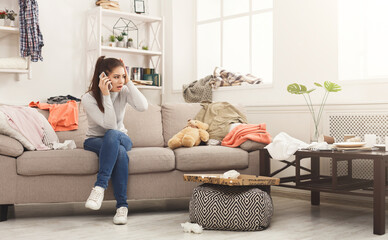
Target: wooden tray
{"x":242,"y":180}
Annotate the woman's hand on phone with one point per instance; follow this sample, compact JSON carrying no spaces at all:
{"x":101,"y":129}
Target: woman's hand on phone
{"x":104,"y":85}
{"x":126,"y":73}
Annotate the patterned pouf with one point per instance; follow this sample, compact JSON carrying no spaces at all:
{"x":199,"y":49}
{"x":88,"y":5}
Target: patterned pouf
{"x":238,"y":208}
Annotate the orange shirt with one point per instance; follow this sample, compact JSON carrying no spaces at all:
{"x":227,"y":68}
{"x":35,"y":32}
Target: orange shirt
{"x":62,"y":117}
{"x":244,"y":132}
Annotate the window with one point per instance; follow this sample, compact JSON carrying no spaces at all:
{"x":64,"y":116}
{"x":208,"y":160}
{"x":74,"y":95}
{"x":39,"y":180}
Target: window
{"x":236,"y":35}
{"x":362,"y":39}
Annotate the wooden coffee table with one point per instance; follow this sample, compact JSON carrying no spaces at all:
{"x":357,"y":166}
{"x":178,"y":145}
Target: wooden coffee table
{"x":316,"y":183}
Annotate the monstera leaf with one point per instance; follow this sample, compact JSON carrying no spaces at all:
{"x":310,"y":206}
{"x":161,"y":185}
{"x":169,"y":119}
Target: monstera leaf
{"x":298,"y":89}
{"x":332,"y":87}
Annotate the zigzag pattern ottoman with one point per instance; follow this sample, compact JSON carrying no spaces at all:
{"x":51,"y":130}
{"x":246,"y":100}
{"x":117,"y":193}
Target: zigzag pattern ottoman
{"x":237,"y":208}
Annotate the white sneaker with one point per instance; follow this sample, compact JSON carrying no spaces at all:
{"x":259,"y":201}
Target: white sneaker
{"x":95,"y":198}
{"x":121,"y":216}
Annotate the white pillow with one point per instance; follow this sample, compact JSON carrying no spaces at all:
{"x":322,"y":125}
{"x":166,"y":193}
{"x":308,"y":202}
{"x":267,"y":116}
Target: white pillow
{"x":7,"y":130}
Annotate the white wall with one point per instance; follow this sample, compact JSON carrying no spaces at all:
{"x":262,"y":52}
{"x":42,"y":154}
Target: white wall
{"x":63,"y":25}
{"x":305,"y":51}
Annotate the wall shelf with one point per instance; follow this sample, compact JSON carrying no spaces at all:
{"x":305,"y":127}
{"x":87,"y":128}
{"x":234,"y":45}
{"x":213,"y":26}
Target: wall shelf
{"x":131,"y":51}
{"x":14,"y":70}
{"x":152,"y":29}
{"x":9,"y":29}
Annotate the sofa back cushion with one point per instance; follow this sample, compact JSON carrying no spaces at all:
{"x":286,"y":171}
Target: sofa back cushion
{"x":77,"y":135}
{"x":175,"y":116}
{"x":144,"y":128}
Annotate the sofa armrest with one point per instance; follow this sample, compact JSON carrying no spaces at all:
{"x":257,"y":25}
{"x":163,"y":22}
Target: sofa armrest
{"x":10,"y":146}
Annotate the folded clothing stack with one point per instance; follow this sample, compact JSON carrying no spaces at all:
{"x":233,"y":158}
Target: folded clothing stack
{"x":106,"y":4}
{"x":13,"y":63}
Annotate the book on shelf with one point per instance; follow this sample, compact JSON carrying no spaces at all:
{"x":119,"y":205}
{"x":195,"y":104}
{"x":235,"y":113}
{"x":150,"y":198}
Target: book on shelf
{"x":114,"y":5}
{"x":142,"y":82}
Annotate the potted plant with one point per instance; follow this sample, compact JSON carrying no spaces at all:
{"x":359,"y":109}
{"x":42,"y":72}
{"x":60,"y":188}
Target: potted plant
{"x":120,"y":42}
{"x":129,"y":43}
{"x":125,"y":36}
{"x":2,"y":18}
{"x":10,"y":17}
{"x":300,"y":89}
{"x":112,"y":40}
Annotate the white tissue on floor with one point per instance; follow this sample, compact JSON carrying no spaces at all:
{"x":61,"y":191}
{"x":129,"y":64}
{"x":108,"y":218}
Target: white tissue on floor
{"x":232,"y":174}
{"x":191,"y":227}
{"x":68,"y":144}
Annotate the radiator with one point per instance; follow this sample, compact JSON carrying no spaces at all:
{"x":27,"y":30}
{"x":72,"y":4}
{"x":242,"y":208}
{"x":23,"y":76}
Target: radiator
{"x":359,"y":125}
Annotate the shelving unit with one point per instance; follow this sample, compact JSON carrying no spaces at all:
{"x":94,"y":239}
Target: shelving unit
{"x":5,"y":32}
{"x":152,"y":26}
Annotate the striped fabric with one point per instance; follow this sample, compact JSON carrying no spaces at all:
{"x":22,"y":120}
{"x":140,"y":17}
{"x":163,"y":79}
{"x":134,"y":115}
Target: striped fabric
{"x":31,"y":39}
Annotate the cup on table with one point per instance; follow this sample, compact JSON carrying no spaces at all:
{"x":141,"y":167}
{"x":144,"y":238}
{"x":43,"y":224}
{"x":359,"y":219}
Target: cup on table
{"x":370,"y":140}
{"x":386,"y":144}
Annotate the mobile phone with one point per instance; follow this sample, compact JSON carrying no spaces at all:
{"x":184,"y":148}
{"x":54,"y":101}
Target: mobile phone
{"x":102,"y":75}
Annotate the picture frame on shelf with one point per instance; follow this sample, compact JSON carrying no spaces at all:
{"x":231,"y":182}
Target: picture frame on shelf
{"x":139,"y":6}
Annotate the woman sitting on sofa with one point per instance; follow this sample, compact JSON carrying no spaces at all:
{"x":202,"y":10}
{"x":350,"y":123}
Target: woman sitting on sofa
{"x":104,"y":103}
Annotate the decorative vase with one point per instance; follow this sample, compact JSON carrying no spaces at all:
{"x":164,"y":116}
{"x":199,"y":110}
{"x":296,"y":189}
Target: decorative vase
{"x":120,"y":44}
{"x":7,"y":22}
{"x":12,"y":23}
{"x":129,"y":44}
{"x":317,"y":133}
{"x":2,"y":22}
{"x":112,"y":44}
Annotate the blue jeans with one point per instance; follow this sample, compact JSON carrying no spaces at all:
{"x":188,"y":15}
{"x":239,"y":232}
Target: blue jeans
{"x":112,"y":152}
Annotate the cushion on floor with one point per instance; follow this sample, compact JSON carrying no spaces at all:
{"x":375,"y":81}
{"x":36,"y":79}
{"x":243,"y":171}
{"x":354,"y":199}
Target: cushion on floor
{"x":236,"y":208}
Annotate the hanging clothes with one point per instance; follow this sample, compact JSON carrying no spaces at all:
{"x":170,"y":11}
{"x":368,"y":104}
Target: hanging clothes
{"x":62,"y":117}
{"x":31,"y":39}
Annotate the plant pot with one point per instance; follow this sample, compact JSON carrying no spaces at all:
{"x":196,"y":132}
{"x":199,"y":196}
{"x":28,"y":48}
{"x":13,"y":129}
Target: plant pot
{"x":7,"y":22}
{"x":2,"y":22}
{"x":112,"y":44}
{"x":130,"y":44}
{"x":120,"y":44}
{"x":12,"y":24}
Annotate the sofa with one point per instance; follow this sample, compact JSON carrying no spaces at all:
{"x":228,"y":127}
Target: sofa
{"x":155,"y":171}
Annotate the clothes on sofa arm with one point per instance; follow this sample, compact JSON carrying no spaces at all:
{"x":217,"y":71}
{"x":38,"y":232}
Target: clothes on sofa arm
{"x":28,"y":122}
{"x":62,"y":117}
{"x":198,"y":91}
{"x":244,"y":132}
{"x":219,"y":116}
{"x":114,"y":109}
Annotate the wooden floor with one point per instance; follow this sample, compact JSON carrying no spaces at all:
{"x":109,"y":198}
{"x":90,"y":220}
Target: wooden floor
{"x":293,"y":219}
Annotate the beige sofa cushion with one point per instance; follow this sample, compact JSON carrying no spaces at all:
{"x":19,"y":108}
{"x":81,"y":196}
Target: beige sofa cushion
{"x":151,"y":159}
{"x":175,"y":116}
{"x":74,"y":162}
{"x":210,"y":158}
{"x":10,"y":147}
{"x":144,"y":128}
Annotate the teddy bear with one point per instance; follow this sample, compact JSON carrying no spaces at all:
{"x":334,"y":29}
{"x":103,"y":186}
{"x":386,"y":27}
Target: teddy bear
{"x":191,"y":135}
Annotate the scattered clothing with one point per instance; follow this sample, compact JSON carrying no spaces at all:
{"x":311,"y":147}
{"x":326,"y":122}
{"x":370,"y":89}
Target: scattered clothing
{"x":232,"y":174}
{"x":244,"y":132}
{"x":31,"y":39}
{"x":201,"y":90}
{"x":222,"y":78}
{"x":191,"y":227}
{"x":68,"y":144}
{"x":198,"y":91}
{"x":213,"y":142}
{"x":284,"y":146}
{"x":219,"y":116}
{"x":61,"y":99}
{"x":28,"y":122}
{"x":62,"y":117}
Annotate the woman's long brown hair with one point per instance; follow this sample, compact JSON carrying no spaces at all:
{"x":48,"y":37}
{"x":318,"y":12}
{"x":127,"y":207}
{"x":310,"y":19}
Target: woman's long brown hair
{"x":102,"y":65}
